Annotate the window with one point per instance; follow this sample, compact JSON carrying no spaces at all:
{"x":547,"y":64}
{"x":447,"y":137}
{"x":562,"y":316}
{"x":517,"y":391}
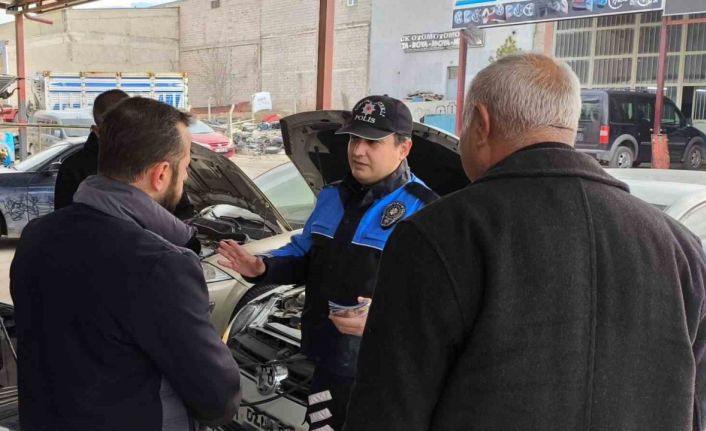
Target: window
{"x":647,"y":69}
{"x":699,"y":108}
{"x":351,"y":2}
{"x":590,"y":110}
{"x":580,"y":68}
{"x":696,"y":37}
{"x":614,"y":41}
{"x":612,"y":71}
{"x":671,"y":116}
{"x":644,"y":111}
{"x":215,"y":4}
{"x":695,"y":67}
{"x":573,"y":44}
{"x":622,"y":110}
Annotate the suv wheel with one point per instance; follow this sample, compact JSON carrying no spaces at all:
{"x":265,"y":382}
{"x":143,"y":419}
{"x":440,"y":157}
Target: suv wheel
{"x":623,"y":158}
{"x":694,"y":157}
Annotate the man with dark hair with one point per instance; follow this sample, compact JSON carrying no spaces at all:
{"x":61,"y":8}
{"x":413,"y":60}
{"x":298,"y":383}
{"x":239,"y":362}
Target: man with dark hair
{"x":337,"y":254}
{"x":84,"y":163}
{"x":114,"y":332}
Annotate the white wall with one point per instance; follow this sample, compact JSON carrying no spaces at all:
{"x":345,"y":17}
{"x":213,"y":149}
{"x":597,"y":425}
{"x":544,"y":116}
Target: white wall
{"x":396,"y":73}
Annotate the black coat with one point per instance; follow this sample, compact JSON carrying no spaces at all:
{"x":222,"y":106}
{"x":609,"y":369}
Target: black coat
{"x":107,"y":314}
{"x":542,"y":297}
{"x":76,"y":168}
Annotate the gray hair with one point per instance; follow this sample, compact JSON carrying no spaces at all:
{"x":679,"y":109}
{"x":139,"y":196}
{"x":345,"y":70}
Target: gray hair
{"x":526,"y":92}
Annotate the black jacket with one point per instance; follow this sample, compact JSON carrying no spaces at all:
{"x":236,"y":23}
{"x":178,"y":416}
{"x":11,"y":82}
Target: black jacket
{"x":542,"y":297}
{"x":84,"y":163}
{"x":112,"y":321}
{"x":76,"y":168}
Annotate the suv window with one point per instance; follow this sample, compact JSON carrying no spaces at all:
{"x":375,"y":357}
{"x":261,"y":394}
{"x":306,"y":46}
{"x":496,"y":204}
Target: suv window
{"x":622,"y":110}
{"x":644,"y":111}
{"x":671,"y":116}
{"x":590,"y":110}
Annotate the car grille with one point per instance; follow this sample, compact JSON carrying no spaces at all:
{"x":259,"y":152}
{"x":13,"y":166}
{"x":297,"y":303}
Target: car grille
{"x":256,"y":346}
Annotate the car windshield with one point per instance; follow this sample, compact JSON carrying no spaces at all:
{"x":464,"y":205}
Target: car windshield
{"x":78,"y":132}
{"x":289,"y":193}
{"x":200,"y":128}
{"x":33,"y":163}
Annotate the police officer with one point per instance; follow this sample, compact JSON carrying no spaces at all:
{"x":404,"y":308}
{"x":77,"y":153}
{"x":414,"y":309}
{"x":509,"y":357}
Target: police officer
{"x":338,"y":252}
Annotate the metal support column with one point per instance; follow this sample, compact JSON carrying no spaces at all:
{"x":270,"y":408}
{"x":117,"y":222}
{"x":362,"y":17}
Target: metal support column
{"x":461,"y":81}
{"x":21,"y":84}
{"x":660,"y":148}
{"x":324,"y":67}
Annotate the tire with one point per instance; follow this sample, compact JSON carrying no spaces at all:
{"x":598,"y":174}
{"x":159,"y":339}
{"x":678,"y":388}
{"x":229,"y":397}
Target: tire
{"x":251,"y":294}
{"x":694,"y":157}
{"x":623,"y":158}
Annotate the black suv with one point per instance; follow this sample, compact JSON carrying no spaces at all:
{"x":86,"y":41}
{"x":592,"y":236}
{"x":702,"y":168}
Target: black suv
{"x":616,"y":128}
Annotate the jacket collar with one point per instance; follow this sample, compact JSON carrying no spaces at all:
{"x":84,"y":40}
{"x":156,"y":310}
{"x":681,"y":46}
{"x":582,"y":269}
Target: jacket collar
{"x":392,"y":182}
{"x":126,"y":202}
{"x":550,"y":159}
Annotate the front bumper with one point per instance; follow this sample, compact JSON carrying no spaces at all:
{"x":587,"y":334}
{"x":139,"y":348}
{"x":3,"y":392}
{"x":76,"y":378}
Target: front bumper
{"x":288,"y":414}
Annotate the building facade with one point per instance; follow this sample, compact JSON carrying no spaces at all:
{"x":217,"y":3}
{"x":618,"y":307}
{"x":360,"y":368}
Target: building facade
{"x":400,"y":67}
{"x":621,"y":51}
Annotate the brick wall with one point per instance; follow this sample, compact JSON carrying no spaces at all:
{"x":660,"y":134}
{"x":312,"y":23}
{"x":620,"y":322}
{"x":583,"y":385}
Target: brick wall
{"x":276,"y":49}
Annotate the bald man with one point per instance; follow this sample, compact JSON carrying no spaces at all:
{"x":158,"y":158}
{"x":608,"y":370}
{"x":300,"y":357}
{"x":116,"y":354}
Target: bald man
{"x":543,"y":296}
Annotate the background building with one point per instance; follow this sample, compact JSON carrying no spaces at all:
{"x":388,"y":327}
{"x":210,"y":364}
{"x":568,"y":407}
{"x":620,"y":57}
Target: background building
{"x":232,"y":49}
{"x":621,"y":51}
{"x":127,"y":40}
{"x":400,"y":72}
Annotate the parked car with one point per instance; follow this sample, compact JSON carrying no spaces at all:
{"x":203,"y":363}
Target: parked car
{"x":39,"y":139}
{"x":680,"y":194}
{"x":616,"y":128}
{"x":264,"y":336}
{"x":27,"y":189}
{"x":203,"y":134}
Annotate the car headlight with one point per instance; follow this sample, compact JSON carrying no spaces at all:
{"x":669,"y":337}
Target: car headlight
{"x":254,"y":314}
{"x":213,"y":274}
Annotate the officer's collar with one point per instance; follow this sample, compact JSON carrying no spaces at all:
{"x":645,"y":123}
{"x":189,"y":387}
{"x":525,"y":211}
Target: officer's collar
{"x":382,"y":188}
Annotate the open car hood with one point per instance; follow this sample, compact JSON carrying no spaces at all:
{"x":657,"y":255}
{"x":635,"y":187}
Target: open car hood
{"x":321,"y":156}
{"x":215,"y":180}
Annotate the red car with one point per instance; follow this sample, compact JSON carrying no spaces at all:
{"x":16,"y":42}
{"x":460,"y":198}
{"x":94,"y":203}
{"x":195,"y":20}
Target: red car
{"x":204,"y":135}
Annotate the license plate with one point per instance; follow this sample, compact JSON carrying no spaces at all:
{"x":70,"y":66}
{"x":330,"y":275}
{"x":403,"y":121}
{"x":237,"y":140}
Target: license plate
{"x":222,"y":150}
{"x":579,"y":136}
{"x":260,"y":421}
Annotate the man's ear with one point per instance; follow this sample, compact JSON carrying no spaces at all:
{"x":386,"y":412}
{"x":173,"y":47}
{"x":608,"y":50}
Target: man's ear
{"x":406,"y":147}
{"x":483,"y":124}
{"x":159,"y":176}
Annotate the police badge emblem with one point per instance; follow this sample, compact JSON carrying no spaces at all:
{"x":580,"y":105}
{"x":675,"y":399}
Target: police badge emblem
{"x":392,"y":214}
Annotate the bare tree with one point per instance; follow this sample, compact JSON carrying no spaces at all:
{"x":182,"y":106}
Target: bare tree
{"x":216,"y":72}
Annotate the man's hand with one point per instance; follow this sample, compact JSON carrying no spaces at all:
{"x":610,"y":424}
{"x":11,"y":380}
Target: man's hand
{"x":352,"y":322}
{"x":239,"y":260}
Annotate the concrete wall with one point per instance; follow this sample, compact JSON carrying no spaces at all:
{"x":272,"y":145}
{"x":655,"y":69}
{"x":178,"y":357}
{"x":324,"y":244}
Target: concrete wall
{"x":105,"y":40}
{"x":128,"y":40}
{"x":394,"y":72}
{"x":273,"y":47}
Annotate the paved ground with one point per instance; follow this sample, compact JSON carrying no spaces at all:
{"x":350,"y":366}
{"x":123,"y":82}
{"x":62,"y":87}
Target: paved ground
{"x":252,"y":165}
